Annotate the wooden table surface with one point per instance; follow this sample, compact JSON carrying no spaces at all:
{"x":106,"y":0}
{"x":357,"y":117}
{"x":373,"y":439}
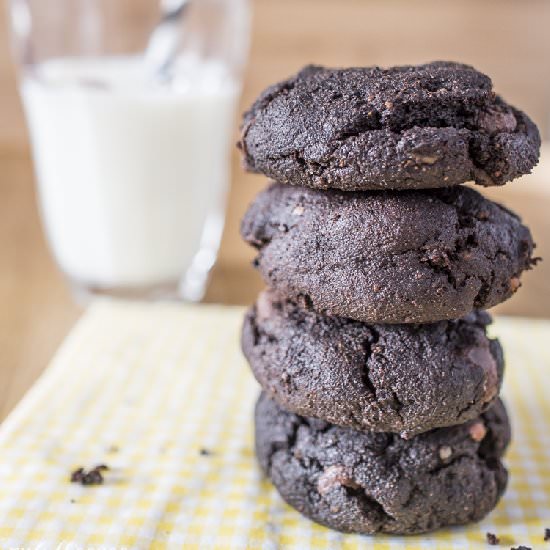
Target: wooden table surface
{"x":36,"y":308}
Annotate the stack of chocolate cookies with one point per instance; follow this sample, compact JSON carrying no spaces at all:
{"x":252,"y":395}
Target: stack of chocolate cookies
{"x":380,"y":408}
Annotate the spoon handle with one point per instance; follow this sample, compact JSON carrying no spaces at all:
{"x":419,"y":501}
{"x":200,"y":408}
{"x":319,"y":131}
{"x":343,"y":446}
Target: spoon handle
{"x":172,"y":8}
{"x":164,"y":41}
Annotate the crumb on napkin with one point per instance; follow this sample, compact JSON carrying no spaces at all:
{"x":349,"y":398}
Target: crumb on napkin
{"x":90,"y":477}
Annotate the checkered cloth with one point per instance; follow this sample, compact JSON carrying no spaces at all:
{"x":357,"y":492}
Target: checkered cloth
{"x":145,"y":387}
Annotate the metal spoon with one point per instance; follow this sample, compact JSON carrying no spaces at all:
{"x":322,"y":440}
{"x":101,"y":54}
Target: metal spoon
{"x":164,"y":41}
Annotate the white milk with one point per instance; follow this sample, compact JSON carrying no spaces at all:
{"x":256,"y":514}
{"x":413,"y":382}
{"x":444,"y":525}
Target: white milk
{"x":129,"y":173}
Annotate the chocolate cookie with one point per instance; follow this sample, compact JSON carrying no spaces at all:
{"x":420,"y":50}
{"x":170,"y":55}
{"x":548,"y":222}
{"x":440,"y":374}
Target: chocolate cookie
{"x":372,"y":482}
{"x":391,"y":256}
{"x":411,"y":127}
{"x":385,"y":378}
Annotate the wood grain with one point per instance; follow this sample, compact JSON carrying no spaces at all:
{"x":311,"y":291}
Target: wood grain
{"x":506,"y":38}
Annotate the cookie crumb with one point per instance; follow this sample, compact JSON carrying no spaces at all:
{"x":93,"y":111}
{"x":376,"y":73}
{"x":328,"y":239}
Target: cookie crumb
{"x":77,"y":474}
{"x":492,"y":539}
{"x":205,"y":452}
{"x":91,"y":477}
{"x":546,"y":535}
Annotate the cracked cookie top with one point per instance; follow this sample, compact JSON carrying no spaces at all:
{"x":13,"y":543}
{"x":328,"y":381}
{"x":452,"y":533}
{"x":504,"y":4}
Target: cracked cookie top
{"x":406,"y":379}
{"x":374,"y":482}
{"x":388,"y":257}
{"x":410,"y":127}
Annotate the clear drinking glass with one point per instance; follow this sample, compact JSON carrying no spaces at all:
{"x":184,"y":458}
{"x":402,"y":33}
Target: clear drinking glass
{"x":130,"y":106}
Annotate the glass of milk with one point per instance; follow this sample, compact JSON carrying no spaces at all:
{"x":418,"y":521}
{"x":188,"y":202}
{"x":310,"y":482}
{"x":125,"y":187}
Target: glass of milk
{"x":131,"y":158}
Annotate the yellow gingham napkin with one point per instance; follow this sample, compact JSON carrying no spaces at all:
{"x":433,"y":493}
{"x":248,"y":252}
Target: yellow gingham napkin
{"x":144,"y":387}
